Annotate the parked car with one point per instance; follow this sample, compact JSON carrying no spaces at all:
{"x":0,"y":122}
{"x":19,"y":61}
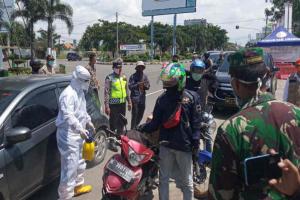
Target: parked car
{"x":73,"y":56}
{"x":222,"y":96}
{"x":29,"y":157}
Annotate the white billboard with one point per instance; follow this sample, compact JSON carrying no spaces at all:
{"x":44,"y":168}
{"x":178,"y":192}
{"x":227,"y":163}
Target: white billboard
{"x":6,"y":9}
{"x":165,"y":7}
{"x":133,"y":47}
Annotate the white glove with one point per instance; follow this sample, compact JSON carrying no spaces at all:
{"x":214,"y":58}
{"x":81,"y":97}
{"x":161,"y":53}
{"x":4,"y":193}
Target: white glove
{"x":91,"y":125}
{"x":84,"y":134}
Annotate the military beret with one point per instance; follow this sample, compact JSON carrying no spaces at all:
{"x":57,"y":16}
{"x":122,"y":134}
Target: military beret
{"x":246,"y":57}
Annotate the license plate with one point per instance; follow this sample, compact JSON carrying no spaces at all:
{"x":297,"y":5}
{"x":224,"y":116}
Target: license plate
{"x":230,"y":101}
{"x":121,"y":170}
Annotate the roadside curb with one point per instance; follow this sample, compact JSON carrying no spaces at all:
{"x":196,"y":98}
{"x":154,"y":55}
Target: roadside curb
{"x":133,"y":63}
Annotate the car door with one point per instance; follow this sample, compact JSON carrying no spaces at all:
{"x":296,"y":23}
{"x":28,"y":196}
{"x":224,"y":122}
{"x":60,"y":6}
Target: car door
{"x":4,"y":192}
{"x":26,"y":161}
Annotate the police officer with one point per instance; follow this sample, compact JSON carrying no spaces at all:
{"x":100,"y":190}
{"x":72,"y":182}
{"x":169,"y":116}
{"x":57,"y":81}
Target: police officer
{"x":292,"y":87}
{"x":116,"y":94}
{"x":262,"y":124}
{"x":177,"y":113}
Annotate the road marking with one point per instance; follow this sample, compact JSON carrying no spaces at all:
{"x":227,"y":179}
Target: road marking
{"x":154,"y":92}
{"x":1,"y":176}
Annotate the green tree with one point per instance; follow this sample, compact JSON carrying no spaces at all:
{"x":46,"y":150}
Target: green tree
{"x":197,"y":38}
{"x":106,"y":31}
{"x":17,"y":33}
{"x":31,"y":11}
{"x":42,"y":41}
{"x":56,"y":10}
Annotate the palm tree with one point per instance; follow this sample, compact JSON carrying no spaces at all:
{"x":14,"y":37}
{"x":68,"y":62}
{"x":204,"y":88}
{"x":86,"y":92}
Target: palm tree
{"x":31,"y":12}
{"x":55,"y":9}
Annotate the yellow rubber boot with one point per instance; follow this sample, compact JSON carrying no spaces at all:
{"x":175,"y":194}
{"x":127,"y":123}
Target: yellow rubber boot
{"x":82,"y":189}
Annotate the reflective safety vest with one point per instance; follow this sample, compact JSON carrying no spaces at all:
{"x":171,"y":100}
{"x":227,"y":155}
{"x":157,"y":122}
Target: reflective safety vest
{"x":118,"y":91}
{"x":294,"y":90}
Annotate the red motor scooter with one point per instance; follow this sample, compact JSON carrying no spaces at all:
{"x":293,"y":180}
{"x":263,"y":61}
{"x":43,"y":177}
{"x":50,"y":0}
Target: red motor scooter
{"x":132,"y":173}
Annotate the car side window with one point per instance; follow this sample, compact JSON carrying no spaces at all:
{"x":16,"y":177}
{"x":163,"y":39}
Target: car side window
{"x":93,"y":104}
{"x":37,"y":110}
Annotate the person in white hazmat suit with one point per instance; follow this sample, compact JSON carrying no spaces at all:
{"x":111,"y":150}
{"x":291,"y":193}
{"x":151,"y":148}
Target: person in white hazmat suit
{"x":72,"y":123}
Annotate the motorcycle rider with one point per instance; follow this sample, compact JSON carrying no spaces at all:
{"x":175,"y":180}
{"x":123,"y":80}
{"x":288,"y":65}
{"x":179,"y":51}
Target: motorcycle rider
{"x":177,"y":114}
{"x":72,"y":123}
{"x":193,"y":83}
{"x":194,"y":76}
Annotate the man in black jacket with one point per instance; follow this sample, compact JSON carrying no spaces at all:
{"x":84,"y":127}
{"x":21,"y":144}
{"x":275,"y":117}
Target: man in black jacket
{"x":177,"y":113}
{"x":138,"y":84}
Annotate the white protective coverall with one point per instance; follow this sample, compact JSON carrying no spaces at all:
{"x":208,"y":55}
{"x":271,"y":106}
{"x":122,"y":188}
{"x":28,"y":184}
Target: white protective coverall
{"x":71,"y":121}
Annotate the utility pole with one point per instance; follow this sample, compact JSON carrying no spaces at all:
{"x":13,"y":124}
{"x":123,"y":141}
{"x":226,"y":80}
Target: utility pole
{"x":174,"y":34}
{"x":267,"y":18}
{"x":117,"y":51}
{"x":152,"y":38}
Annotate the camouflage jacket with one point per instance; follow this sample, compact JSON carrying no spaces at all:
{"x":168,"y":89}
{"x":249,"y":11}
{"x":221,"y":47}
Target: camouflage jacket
{"x":263,"y":123}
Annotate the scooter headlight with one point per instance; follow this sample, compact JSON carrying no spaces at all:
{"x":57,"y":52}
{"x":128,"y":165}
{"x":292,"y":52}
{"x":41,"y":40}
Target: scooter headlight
{"x":134,"y":158}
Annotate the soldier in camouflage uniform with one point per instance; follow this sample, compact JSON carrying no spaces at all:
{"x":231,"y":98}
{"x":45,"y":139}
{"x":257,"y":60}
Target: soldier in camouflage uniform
{"x":263,"y":123}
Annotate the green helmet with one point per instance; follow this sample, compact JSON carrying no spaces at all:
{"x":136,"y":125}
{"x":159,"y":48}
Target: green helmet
{"x":172,"y":75}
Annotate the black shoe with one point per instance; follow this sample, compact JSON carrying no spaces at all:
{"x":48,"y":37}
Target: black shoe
{"x":112,"y":146}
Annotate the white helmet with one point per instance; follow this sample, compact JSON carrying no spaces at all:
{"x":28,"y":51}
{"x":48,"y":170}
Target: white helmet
{"x":82,"y":76}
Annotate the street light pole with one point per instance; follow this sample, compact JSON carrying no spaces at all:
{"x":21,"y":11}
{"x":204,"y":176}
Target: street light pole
{"x":117,"y":51}
{"x":152,"y":37}
{"x":174,"y":34}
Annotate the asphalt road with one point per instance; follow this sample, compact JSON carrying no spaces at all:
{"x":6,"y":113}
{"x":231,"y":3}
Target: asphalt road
{"x":93,"y":176}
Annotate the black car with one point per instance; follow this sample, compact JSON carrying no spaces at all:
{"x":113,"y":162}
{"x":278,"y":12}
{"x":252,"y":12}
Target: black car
{"x":29,"y":157}
{"x":73,"y":56}
{"x":222,"y":96}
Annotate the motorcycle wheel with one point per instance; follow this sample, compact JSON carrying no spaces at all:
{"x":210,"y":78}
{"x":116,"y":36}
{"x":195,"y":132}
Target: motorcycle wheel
{"x":100,"y":149}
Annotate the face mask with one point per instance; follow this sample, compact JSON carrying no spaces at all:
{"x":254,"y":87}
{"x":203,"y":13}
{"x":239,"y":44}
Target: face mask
{"x":51,"y":63}
{"x":85,"y":86}
{"x":196,"y":77}
{"x":117,"y":71}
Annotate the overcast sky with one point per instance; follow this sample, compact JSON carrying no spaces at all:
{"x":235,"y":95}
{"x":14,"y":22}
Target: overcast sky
{"x":225,"y":13}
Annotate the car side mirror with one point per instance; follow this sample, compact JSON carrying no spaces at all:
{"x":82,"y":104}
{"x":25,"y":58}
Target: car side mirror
{"x":17,"y":135}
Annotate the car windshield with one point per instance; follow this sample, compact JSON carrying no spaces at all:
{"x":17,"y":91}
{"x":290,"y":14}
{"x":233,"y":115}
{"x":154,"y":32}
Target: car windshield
{"x":214,"y":57}
{"x":6,"y":96}
{"x":225,"y":66}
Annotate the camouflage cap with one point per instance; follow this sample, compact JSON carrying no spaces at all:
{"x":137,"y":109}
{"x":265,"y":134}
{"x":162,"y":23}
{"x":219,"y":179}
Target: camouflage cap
{"x":246,"y":57}
{"x":247,"y":64}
